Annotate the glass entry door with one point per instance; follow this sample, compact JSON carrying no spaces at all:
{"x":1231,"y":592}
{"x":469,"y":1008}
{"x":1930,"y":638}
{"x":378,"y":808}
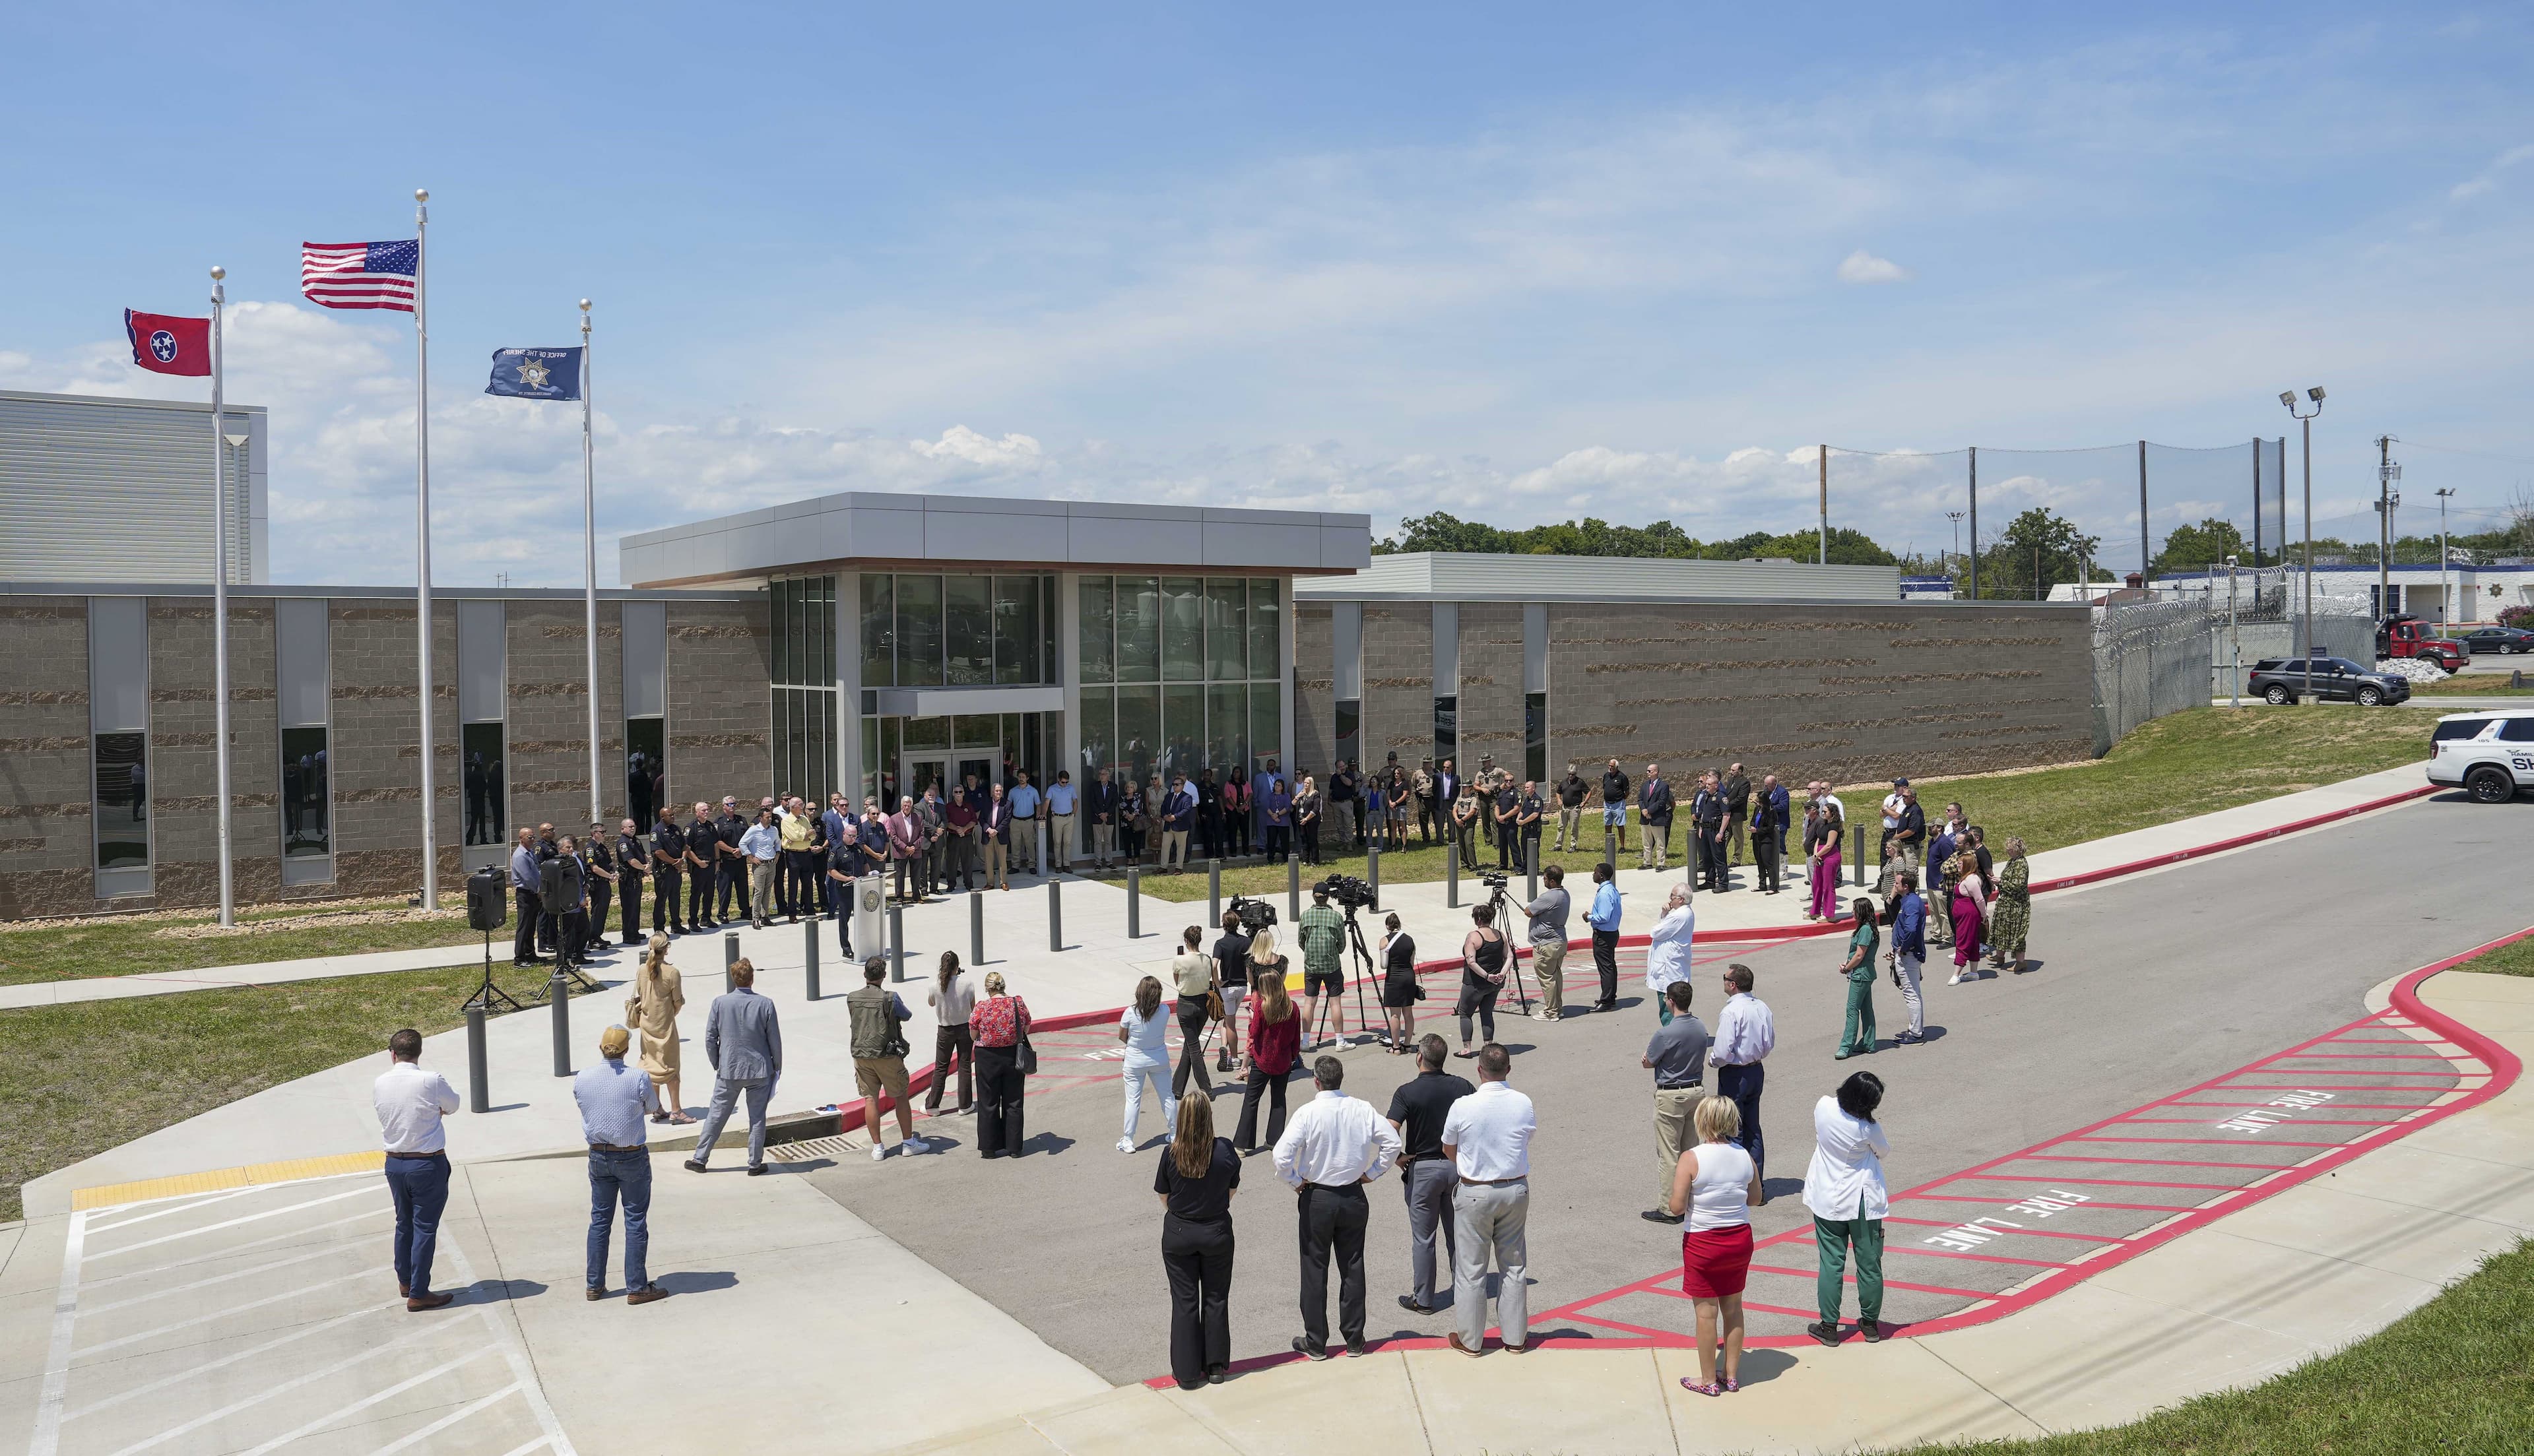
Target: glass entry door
{"x":950,"y":770}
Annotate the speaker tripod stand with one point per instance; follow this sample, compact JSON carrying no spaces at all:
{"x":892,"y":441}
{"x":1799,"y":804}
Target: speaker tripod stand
{"x":489,"y":997}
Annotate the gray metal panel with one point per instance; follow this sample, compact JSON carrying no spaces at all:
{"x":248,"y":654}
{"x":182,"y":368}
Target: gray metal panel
{"x":1267,"y":544}
{"x":301,"y":674}
{"x":647,"y":659}
{"x":481,"y":654}
{"x":118,"y":664}
{"x":122,"y":488}
{"x":1482,"y":578}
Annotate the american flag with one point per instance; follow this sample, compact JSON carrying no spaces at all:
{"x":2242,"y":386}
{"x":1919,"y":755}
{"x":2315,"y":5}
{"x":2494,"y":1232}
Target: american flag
{"x":360,"y":275}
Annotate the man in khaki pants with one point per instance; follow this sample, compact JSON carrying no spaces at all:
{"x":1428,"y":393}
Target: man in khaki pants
{"x":1677,"y":1057}
{"x":1547,"y":916}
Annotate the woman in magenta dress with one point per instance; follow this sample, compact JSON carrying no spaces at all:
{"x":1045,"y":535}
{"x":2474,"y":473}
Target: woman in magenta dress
{"x":1825,"y":882}
{"x":1971,"y":909}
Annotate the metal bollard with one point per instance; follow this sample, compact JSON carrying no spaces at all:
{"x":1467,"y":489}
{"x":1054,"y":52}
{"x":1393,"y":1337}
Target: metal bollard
{"x":976,"y":927}
{"x":729,"y":958}
{"x":1452,"y":874}
{"x":809,"y":958}
{"x":1214,"y":892}
{"x":1293,"y":889}
{"x":1531,"y":870}
{"x":896,"y":942}
{"x":479,"y":1095}
{"x":1134,"y":901}
{"x":1858,"y":877}
{"x":558,"y":991}
{"x":1055,"y":915}
{"x":1610,"y":849}
{"x":1372,"y":873}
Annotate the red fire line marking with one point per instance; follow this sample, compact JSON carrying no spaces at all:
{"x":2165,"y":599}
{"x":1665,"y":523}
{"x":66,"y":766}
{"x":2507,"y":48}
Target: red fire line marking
{"x":1994,"y":1201}
{"x":2212,"y":1142}
{"x":2303,"y":1121}
{"x":1986,"y":1259}
{"x":1944,"y":1289}
{"x":1994,"y":1229}
{"x":2227,"y":1187}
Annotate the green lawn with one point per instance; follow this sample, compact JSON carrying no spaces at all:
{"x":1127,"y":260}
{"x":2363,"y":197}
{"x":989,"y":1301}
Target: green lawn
{"x":2455,"y":1376}
{"x":2188,"y":763}
{"x":78,"y":1079}
{"x":2472,"y":684}
{"x":42,"y":950}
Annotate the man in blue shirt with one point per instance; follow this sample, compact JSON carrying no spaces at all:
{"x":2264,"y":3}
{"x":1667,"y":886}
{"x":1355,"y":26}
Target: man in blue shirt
{"x":614,"y":1099}
{"x":1604,"y":918}
{"x":526,"y":887}
{"x":1910,"y":954}
{"x":1179,"y":816}
{"x":1024,"y":801}
{"x":1060,"y":823}
{"x":762,"y":846}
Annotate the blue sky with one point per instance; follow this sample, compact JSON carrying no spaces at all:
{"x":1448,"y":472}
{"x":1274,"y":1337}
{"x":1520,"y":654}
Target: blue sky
{"x":1512,"y":263}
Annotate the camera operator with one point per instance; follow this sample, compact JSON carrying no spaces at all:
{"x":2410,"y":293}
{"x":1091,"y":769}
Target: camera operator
{"x":1232,"y":981}
{"x":1323,"y":936}
{"x":1547,"y":917}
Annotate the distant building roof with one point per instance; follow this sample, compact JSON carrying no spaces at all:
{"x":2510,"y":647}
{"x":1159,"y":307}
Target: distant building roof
{"x":1476,"y":577}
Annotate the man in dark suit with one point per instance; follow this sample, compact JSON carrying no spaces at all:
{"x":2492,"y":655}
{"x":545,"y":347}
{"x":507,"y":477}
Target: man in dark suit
{"x":1655,"y":805}
{"x":1771,"y":818}
{"x":1737,"y":807}
{"x":1099,"y":802}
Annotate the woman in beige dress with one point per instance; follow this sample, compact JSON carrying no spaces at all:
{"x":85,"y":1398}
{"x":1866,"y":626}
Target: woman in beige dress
{"x":659,"y":994}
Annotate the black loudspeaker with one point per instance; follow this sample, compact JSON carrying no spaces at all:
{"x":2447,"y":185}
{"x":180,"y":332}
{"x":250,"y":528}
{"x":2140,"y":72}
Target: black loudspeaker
{"x":488,"y":900}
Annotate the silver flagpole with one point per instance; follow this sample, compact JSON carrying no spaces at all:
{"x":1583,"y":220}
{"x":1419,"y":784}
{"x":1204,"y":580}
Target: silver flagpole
{"x":589,"y":564}
{"x":422,"y":537}
{"x":220,"y":604}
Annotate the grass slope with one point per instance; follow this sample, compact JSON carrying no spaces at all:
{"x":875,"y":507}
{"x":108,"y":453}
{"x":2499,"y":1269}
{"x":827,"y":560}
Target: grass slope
{"x":78,"y":1079}
{"x":42,"y":950}
{"x":2455,"y":1376}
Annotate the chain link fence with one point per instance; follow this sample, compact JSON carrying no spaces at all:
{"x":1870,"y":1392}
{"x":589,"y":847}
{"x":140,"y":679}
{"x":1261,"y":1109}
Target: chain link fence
{"x":2151,"y":658}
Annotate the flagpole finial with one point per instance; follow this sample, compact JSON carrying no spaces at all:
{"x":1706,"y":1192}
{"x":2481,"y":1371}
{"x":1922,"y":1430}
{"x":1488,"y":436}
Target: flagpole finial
{"x":219,"y":272}
{"x":584,"y":306}
{"x":421,"y":195}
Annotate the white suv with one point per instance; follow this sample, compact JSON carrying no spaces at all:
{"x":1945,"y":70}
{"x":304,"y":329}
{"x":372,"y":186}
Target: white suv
{"x":2490,"y":754}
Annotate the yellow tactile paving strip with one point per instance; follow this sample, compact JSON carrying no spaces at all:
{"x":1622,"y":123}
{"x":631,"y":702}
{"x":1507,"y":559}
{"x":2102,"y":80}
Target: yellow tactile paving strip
{"x":288,"y":1170}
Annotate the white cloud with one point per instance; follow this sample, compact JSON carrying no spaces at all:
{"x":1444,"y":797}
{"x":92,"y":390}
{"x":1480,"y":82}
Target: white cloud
{"x":1862,"y":266}
{"x":959,"y":442}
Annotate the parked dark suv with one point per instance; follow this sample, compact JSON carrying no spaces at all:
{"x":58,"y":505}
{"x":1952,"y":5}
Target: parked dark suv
{"x":2283,"y":680}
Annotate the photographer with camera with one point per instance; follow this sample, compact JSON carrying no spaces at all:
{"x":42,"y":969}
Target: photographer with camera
{"x":1547,"y":917}
{"x":1323,"y":937}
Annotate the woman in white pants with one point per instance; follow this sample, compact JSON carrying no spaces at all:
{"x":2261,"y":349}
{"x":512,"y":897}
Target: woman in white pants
{"x":1145,"y":1032}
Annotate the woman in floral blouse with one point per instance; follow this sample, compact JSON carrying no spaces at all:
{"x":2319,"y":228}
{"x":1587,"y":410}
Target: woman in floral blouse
{"x":999,"y":1022}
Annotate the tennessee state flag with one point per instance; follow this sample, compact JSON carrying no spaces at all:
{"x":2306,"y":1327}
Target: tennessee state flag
{"x":170,"y":346}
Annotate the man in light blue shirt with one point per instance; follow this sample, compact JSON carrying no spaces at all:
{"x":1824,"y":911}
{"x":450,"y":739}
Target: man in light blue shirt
{"x":1060,"y":823}
{"x":1604,"y":918}
{"x":527,"y":886}
{"x":1024,"y":799}
{"x":762,"y":846}
{"x":614,"y":1099}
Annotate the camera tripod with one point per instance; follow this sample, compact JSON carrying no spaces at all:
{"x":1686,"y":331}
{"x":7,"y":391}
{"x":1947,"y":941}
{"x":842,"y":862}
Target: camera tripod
{"x":489,"y":997}
{"x":1502,"y":915}
{"x":1362,"y":956}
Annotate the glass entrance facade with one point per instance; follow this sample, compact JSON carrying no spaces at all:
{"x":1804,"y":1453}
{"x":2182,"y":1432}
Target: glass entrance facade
{"x":1180,"y":673}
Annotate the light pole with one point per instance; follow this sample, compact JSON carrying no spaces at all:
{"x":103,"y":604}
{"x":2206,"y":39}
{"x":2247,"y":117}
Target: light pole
{"x":2387,"y":472}
{"x":2235,"y":686}
{"x":1956,"y":517}
{"x":2445,"y":564}
{"x":2306,"y":420}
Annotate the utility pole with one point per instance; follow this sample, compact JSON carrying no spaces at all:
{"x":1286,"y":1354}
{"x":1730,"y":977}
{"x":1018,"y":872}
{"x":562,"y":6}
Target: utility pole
{"x":2446,"y":563}
{"x":2305,"y":419}
{"x":2385,"y":478}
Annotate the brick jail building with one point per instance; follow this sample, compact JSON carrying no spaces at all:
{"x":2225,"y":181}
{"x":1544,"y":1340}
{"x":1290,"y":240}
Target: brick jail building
{"x":106,"y":775}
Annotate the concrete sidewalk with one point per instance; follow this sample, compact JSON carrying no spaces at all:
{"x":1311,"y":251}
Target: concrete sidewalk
{"x":532,"y":1111}
{"x":2262,"y":1291}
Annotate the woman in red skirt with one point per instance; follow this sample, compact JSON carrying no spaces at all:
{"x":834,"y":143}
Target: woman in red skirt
{"x":1714,"y":1185}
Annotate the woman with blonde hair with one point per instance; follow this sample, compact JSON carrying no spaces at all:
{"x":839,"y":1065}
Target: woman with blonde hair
{"x":1275,"y":1045}
{"x":1265,"y":963}
{"x":1199,"y":1176}
{"x":659,"y":994}
{"x":1145,"y":1033}
{"x":1714,"y":1184}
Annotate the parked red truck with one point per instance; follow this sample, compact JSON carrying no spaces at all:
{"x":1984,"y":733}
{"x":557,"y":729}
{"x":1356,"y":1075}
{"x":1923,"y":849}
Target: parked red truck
{"x":2403,"y":635}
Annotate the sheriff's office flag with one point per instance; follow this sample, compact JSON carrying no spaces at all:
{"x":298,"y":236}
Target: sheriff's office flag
{"x":536,"y":374}
{"x":170,"y":346}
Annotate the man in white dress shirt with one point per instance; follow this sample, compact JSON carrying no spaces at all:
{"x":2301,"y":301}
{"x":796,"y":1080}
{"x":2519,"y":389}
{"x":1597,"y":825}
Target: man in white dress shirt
{"x":1667,"y":949}
{"x":1333,"y":1146}
{"x":411,"y":1103}
{"x":1745,"y":1034}
{"x":1488,"y":1136}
